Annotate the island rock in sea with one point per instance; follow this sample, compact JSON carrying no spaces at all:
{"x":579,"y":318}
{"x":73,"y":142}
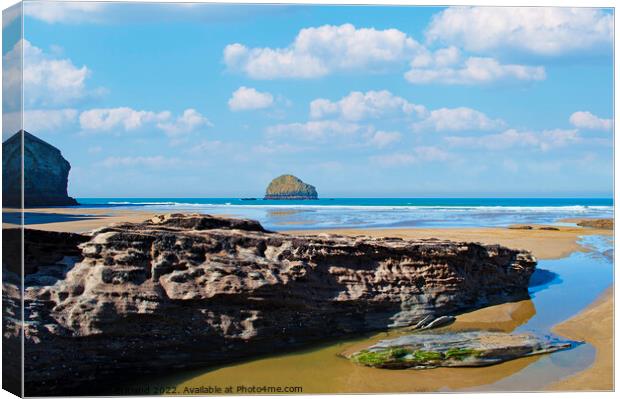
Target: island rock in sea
{"x":289,"y":187}
{"x":46,"y":173}
{"x":181,"y":291}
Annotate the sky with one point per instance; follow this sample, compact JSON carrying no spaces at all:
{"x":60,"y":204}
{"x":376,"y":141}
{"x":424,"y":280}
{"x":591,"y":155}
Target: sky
{"x":199,"y":100}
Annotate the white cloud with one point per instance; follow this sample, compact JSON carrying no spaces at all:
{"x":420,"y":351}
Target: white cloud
{"x":54,"y":12}
{"x":381,"y":139}
{"x":417,"y":155}
{"x":589,"y":121}
{"x":124,"y":118}
{"x":247,"y":98}
{"x":37,"y":120}
{"x":46,"y":79}
{"x":48,"y":120}
{"x":372,"y":104}
{"x":457,"y":119}
{"x":150,"y":162}
{"x":447,"y":68}
{"x":206,"y":146}
{"x":128,"y":119}
{"x":315,"y":130}
{"x":545,"y":140}
{"x":538,"y":30}
{"x":186,"y":123}
{"x":318,"y":51}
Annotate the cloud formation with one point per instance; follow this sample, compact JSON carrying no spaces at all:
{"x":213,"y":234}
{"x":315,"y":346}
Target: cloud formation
{"x":417,"y":155}
{"x":122,"y":118}
{"x":150,"y":162}
{"x":358,"y":106}
{"x":588,"y":121}
{"x":247,"y":98}
{"x":47,"y":80}
{"x":545,"y":140}
{"x":189,"y":121}
{"x":58,"y":12}
{"x":447,"y":66}
{"x":314,"y":130}
{"x":128,"y":119}
{"x":457,"y":119}
{"x":319,"y":51}
{"x":539,"y":30}
{"x":381,"y":139}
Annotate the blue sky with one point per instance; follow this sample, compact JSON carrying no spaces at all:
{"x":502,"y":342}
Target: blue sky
{"x":153,"y":100}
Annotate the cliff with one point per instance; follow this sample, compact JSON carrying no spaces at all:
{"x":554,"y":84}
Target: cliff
{"x":291,"y":188}
{"x":46,"y":173}
{"x":181,"y":291}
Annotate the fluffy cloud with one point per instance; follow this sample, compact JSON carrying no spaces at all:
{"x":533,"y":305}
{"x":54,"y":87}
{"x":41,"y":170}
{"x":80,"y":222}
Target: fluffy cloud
{"x":358,"y":106}
{"x":128,"y":119}
{"x":119,"y":118}
{"x":38,"y":120}
{"x":247,"y":98}
{"x":381,"y":139}
{"x":186,"y":123}
{"x":538,"y":30}
{"x":589,"y":121}
{"x":47,"y":80}
{"x":457,"y":119}
{"x":446,"y":66}
{"x":417,"y":155}
{"x":314,"y":130}
{"x":544,"y":140}
{"x":54,"y":12}
{"x":318,"y":51}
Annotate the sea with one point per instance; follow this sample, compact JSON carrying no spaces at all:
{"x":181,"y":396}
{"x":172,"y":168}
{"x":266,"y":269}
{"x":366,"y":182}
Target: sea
{"x":331,"y":213}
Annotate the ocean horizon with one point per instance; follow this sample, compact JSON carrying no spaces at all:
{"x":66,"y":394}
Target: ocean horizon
{"x":376,"y":212}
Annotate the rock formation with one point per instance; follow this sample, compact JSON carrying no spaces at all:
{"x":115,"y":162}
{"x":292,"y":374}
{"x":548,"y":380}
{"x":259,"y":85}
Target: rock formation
{"x":457,"y":349}
{"x":289,"y":187}
{"x":181,"y":291}
{"x":605,"y":224}
{"x":46,"y":173}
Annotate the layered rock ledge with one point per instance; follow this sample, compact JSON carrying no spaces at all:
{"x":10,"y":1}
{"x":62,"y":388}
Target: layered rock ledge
{"x":181,"y":291}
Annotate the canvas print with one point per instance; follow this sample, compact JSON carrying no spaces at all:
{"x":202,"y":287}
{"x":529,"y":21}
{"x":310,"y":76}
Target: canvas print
{"x":214,"y":199}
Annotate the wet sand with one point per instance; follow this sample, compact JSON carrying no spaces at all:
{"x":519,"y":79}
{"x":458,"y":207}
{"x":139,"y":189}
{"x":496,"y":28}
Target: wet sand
{"x":73,"y":220}
{"x":595,"y":326}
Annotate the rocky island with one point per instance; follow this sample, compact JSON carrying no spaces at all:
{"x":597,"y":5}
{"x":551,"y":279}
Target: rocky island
{"x":46,"y":173}
{"x":180,"y":291}
{"x":289,"y":187}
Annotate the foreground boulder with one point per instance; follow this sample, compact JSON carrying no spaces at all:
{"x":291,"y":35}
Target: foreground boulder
{"x":46,"y":173}
{"x":457,"y":349}
{"x":289,"y":187}
{"x":182,"y":291}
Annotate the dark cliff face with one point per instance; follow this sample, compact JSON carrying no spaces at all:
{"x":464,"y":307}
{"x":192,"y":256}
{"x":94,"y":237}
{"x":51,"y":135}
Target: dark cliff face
{"x":46,"y":173}
{"x":289,"y":187}
{"x":194,"y":290}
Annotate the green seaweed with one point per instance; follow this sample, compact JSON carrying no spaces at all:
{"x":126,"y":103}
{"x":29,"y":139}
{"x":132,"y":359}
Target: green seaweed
{"x":409,"y":357}
{"x":461,"y":353}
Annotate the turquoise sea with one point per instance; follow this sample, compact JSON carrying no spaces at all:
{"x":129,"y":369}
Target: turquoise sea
{"x":376,"y":212}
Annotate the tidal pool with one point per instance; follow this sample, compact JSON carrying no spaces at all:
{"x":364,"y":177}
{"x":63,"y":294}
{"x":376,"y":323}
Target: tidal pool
{"x":568,"y":286}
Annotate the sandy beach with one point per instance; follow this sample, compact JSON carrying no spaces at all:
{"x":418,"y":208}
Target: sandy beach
{"x":593,"y":325}
{"x":544,"y":243}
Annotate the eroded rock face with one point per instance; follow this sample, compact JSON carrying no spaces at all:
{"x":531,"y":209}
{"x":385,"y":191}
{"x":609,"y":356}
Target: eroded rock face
{"x":457,"y":349}
{"x":291,"y":188}
{"x":193,"y":290}
{"x":46,"y":173}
